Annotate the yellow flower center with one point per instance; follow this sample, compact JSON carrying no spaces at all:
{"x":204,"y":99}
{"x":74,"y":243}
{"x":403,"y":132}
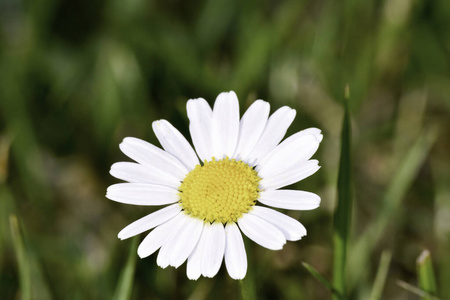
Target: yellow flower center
{"x":219,"y":190}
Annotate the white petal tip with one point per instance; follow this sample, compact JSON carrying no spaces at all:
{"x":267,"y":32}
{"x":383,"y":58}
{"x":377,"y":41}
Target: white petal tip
{"x":162,"y":265}
{"x":122,"y":236}
{"x":318,"y":200}
{"x":128,"y":140}
{"x":193,"y":277}
{"x":237,"y":277}
{"x":319,"y":138}
{"x":141,"y":255}
{"x":292,"y":112}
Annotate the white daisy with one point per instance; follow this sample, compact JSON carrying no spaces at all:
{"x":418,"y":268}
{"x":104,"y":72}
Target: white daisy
{"x":243,"y":164}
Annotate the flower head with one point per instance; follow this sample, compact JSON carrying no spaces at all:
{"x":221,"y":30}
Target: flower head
{"x":210,"y":200}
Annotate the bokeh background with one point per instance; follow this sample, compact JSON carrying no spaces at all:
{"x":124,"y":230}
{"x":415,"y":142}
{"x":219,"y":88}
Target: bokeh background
{"x":76,"y":77}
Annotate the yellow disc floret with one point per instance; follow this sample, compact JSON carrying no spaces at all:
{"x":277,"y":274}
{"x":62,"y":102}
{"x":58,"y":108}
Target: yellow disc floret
{"x":219,"y":190}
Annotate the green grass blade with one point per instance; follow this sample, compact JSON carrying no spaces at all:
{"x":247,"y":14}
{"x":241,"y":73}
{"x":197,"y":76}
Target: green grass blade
{"x":401,"y":181}
{"x":415,"y":290}
{"x":381,"y":276}
{"x":343,"y":213}
{"x":23,"y":261}
{"x":247,"y":286}
{"x":427,"y":281}
{"x":325,"y":282}
{"x":125,"y":286}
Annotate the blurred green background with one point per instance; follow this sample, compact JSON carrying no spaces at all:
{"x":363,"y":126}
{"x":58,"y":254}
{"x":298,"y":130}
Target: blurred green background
{"x":76,"y":77}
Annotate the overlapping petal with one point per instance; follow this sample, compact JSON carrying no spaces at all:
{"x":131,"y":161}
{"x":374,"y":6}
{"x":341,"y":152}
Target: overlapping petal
{"x":157,"y":237}
{"x":175,"y":143}
{"x":294,"y":175}
{"x":292,"y":229}
{"x":137,"y":173}
{"x":251,"y":127}
{"x":273,"y":133}
{"x":294,"y":150}
{"x":194,"y":263}
{"x":150,"y":221}
{"x":261,"y":232}
{"x":184,"y":242}
{"x":163,"y":259}
{"x":208,"y":254}
{"x":153,"y":157}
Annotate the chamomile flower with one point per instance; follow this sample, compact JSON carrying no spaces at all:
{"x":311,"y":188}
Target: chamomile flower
{"x":213,"y":193}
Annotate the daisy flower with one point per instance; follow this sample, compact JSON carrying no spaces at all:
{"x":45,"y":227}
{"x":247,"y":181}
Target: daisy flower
{"x":222,"y":188}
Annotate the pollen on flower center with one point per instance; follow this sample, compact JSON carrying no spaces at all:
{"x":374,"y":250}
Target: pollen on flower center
{"x":219,"y":190}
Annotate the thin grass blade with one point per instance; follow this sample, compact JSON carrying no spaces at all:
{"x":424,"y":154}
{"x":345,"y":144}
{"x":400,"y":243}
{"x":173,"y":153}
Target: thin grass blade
{"x":415,"y":290}
{"x":380,"y":279}
{"x":23,"y":261}
{"x":425,"y":272}
{"x":125,"y":286}
{"x":247,"y":286}
{"x":343,"y":213}
{"x":401,"y":181}
{"x":323,"y":281}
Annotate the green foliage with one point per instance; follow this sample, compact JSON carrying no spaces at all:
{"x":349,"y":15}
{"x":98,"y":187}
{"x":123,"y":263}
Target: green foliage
{"x":76,"y":77}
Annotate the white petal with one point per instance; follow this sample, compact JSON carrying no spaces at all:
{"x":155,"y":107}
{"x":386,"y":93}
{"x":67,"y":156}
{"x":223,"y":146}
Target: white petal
{"x":137,"y":173}
{"x":153,"y":157}
{"x":296,"y":149}
{"x":194,"y":264}
{"x":283,"y":158}
{"x":142,"y":194}
{"x":163,"y":259}
{"x":251,"y":127}
{"x":175,"y":143}
{"x":289,"y":177}
{"x":185,"y":241}
{"x":200,"y":126}
{"x":273,"y":133}
{"x":213,"y":250}
{"x":289,"y":199}
{"x":261,"y":232}
{"x":150,"y":221}
{"x":235,"y":256}
{"x":225,"y":124}
{"x":292,"y":229}
{"x":157,"y":237}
